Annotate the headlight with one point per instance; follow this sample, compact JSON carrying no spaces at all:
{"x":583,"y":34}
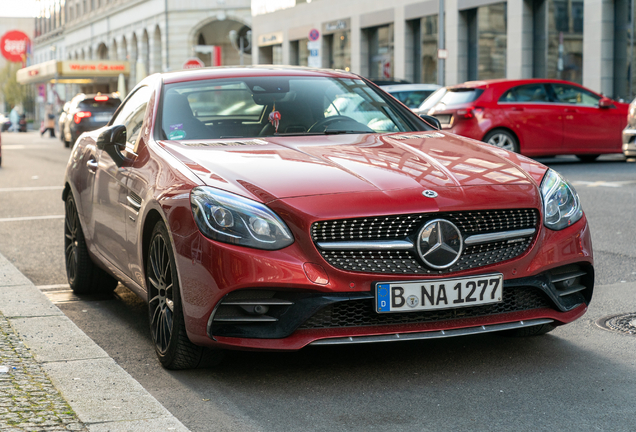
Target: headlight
{"x":233,"y":219}
{"x":561,"y":204}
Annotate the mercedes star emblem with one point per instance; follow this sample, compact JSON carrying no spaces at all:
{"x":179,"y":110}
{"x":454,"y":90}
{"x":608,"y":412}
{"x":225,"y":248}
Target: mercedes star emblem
{"x":440,"y":244}
{"x":429,"y":194}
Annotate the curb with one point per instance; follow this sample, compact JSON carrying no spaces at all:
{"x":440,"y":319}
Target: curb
{"x":102,"y":394}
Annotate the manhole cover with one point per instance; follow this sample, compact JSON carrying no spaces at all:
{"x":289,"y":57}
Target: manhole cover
{"x":623,"y":323}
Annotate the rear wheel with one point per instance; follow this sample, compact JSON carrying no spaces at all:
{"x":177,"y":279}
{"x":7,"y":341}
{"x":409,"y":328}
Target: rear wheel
{"x":503,"y":139}
{"x":588,"y":157}
{"x":84,"y":277}
{"x":167,"y":323}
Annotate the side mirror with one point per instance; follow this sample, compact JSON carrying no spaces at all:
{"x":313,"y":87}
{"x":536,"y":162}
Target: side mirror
{"x":432,"y":121}
{"x":112,"y":140}
{"x":606,"y":102}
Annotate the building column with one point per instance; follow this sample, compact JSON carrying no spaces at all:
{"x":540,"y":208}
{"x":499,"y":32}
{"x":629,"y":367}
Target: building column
{"x":399,"y":40}
{"x":154,"y":46}
{"x":598,"y":45}
{"x":356,"y":47}
{"x":456,"y":52}
{"x":519,"y":40}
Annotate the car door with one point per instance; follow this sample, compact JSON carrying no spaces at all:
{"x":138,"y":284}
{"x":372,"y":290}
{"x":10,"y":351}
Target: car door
{"x":535,"y":120}
{"x":111,"y":200}
{"x":586,"y":127}
{"x":132,"y":116}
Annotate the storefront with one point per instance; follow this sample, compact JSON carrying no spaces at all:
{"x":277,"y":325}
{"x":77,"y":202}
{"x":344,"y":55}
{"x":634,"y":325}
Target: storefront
{"x":270,"y":48}
{"x":337,"y":44}
{"x":58,"y":81}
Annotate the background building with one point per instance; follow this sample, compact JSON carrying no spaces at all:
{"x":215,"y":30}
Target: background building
{"x":589,"y":42}
{"x":148,"y":35}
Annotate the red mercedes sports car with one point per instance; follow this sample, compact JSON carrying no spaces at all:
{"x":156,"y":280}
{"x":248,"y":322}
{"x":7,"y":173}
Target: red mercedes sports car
{"x":534,"y":117}
{"x":272,"y":208}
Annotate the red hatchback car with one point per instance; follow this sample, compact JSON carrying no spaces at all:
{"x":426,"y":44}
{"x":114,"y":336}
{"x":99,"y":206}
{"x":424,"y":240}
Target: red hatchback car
{"x":534,"y":117}
{"x":271,"y":208}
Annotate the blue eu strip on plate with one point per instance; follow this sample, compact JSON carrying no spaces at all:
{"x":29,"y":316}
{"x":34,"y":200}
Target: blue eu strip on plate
{"x":383,"y":298}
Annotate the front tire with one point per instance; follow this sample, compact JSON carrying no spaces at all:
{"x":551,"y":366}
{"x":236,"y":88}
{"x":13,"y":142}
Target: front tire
{"x":587,"y":157}
{"x":503,"y":139}
{"x":84,"y":277}
{"x":167,"y":322}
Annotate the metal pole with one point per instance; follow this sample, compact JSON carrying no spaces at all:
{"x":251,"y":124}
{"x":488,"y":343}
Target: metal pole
{"x":440,"y":43}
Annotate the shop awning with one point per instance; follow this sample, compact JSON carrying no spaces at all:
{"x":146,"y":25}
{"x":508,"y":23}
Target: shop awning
{"x":73,"y":71}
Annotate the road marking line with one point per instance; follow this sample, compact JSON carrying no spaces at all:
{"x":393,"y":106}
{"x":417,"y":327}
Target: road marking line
{"x":615,"y":184}
{"x":30,"y":218}
{"x":30,"y":189}
{"x":51,"y":287}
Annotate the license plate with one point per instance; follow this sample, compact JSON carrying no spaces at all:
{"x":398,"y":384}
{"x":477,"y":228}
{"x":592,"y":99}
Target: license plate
{"x":450,"y":293}
{"x":444,"y":118}
{"x":102,"y":117}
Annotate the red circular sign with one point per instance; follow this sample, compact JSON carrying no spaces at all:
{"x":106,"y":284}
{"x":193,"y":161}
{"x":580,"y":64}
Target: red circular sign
{"x":14,"y":45}
{"x":193,"y":63}
{"x":314,"y":35}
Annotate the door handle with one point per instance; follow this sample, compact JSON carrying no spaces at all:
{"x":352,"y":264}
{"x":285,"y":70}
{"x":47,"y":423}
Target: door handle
{"x":91,"y":164}
{"x":518,"y":109}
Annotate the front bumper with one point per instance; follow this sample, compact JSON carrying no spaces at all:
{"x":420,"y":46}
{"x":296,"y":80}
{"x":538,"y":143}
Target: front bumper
{"x":629,"y":142}
{"x":302,"y":312}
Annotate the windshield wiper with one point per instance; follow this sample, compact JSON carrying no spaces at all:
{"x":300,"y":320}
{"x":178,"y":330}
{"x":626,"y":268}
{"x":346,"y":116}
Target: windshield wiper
{"x":326,"y":132}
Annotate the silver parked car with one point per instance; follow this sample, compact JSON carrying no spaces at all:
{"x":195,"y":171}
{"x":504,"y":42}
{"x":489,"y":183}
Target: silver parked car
{"x":629,"y":133}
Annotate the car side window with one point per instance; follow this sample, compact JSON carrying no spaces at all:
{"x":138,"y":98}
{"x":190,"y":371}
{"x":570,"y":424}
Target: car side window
{"x":526,"y":93}
{"x":574,"y":95}
{"x":132,"y":114}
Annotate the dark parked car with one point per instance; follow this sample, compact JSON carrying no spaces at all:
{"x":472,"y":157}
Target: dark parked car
{"x":270,"y":209}
{"x":87,"y":113}
{"x":534,"y":117}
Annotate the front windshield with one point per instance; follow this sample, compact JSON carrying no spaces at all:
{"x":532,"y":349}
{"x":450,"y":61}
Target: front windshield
{"x":269,"y":106}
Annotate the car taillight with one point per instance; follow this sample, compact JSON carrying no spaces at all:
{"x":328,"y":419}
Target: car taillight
{"x":80,"y":115}
{"x":469,"y":113}
{"x":101,"y":98}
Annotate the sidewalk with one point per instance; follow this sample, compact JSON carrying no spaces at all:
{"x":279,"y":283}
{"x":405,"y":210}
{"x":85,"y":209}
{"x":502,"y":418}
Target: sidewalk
{"x":55,"y":378}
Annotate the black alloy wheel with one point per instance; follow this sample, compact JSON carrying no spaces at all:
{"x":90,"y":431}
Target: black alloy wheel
{"x":167,"y":323}
{"x":84,"y":277}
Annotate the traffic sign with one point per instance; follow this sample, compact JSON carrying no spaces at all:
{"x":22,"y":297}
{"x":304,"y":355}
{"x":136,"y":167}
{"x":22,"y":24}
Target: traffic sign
{"x":314,"y":35}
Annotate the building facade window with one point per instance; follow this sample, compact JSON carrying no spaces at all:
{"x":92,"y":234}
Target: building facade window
{"x":299,"y":55}
{"x":429,"y":34}
{"x":565,"y":40}
{"x":381,"y":51}
{"x":338,"y":46}
{"x":492,"y":41}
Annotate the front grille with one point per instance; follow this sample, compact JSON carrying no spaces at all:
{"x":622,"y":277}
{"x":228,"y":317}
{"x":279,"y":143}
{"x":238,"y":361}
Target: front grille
{"x":400,"y":226}
{"x":357,"y":313}
{"x":397,"y":227}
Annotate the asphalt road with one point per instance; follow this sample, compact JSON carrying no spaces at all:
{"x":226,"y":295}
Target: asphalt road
{"x":579,"y":377}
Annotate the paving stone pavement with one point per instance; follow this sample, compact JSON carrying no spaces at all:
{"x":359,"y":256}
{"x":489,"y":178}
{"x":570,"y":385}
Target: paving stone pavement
{"x":28,"y":399}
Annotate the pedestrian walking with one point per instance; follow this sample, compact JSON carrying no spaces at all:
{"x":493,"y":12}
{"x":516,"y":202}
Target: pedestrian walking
{"x":14,"y":117}
{"x":49,"y":122}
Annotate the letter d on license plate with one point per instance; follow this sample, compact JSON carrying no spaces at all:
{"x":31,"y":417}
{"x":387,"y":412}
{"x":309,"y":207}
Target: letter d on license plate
{"x":410,"y":296}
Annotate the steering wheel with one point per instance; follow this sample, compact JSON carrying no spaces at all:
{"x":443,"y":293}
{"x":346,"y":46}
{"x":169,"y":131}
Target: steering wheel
{"x":317,"y":127}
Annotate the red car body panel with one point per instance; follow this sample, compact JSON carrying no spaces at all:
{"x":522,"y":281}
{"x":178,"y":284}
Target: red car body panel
{"x":541,"y":129}
{"x":303,"y":180}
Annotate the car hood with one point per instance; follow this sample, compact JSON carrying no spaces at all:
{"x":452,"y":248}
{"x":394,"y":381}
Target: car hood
{"x":295,"y":166}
